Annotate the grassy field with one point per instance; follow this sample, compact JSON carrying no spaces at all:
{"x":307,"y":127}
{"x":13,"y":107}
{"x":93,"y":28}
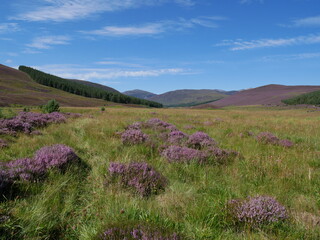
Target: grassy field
{"x":78,"y":204}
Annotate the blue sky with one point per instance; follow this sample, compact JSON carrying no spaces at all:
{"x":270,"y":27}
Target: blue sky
{"x":163,"y":45}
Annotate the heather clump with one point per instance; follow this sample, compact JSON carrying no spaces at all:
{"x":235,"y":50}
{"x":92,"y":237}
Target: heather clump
{"x":135,"y":126}
{"x":143,"y":178}
{"x":183,"y":154}
{"x":27,"y":121}
{"x":256,"y":211}
{"x":3,"y":143}
{"x":200,"y":140}
{"x":269,"y":138}
{"x":221,"y":156}
{"x":159,"y":124}
{"x":177,"y":137}
{"x":56,"y":156}
{"x":132,"y":136}
{"x":138,"y":232}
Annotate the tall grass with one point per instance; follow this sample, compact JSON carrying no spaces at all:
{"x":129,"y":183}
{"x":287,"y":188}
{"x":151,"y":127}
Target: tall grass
{"x":79,"y":205}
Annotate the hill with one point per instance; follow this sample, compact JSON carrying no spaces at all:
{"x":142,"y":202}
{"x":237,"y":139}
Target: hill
{"x":265,"y":95}
{"x":188,"y":97}
{"x":307,"y":98}
{"x":140,"y":94}
{"x":83,"y":89}
{"x":17,"y":87}
{"x":96,"y":85}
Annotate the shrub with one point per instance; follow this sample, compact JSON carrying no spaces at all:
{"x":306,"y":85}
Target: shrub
{"x":3,"y":143}
{"x":157,"y":123}
{"x":177,"y":137}
{"x":200,"y":140}
{"x":137,"y":232}
{"x":267,"y":137}
{"x":27,"y":121}
{"x":135,"y":126}
{"x":144,"y":179}
{"x":103,"y":109}
{"x":221,"y":156}
{"x":51,"y":106}
{"x":183,"y":154}
{"x":256,"y":211}
{"x":56,"y":156}
{"x":286,"y":143}
{"x":132,"y":137}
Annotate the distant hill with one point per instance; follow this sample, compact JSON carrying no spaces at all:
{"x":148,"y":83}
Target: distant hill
{"x":307,"y":98}
{"x":96,"y":85}
{"x":17,"y":87}
{"x":140,"y":94}
{"x":188,"y":97}
{"x":86,"y":90}
{"x":265,"y":95}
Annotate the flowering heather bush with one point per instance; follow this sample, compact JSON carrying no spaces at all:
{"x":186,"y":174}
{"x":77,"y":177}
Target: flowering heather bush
{"x":56,"y":156}
{"x":221,"y":155}
{"x":137,"y":233}
{"x":255,"y":211}
{"x":286,"y":143}
{"x":135,"y":126}
{"x":267,"y":137}
{"x":139,"y":176}
{"x":157,"y":123}
{"x":27,"y":121}
{"x":200,"y":140}
{"x":183,"y":154}
{"x":177,"y":137}
{"x":3,"y":143}
{"x":132,"y":136}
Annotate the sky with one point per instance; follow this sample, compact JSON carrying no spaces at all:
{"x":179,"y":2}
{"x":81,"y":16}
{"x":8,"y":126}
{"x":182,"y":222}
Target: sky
{"x":164,"y":45}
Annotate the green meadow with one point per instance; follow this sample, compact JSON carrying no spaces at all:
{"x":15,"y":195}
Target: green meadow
{"x":78,"y":204}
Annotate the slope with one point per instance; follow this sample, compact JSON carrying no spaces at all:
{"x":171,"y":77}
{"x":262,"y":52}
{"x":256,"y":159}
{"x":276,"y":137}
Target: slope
{"x":17,"y":87}
{"x":188,"y":97}
{"x":140,"y":94}
{"x":265,"y":95}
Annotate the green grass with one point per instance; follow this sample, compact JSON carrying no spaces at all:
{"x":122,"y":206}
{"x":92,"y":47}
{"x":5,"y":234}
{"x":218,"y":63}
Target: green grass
{"x":78,"y":205}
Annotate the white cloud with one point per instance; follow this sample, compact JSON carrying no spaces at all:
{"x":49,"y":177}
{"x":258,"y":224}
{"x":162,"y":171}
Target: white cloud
{"x":118,"y":63}
{"x":251,"y":1}
{"x":8,"y":61}
{"x":8,"y":27}
{"x":65,"y":10}
{"x":78,"y":72}
{"x":307,"y":22}
{"x":263,"y":43}
{"x":289,"y":57}
{"x":47,"y":41}
{"x":157,"y":27}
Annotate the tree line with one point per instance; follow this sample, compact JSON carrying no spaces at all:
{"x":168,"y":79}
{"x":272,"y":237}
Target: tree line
{"x":83,"y":90}
{"x":307,"y":98}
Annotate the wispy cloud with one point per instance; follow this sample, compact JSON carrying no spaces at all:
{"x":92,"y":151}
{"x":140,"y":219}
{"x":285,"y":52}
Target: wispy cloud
{"x":157,"y":27}
{"x":8,"y":27}
{"x":46,"y":42}
{"x":66,"y":10}
{"x":241,"y":44}
{"x":305,"y":22}
{"x":79,"y":72}
{"x":290,"y":57}
{"x":251,"y":1}
{"x":118,"y":63}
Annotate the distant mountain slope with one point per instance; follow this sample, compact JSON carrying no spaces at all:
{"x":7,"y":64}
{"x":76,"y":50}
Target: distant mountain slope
{"x":96,"y":85}
{"x":307,"y":98}
{"x":17,"y":87}
{"x":140,"y":94}
{"x":188,"y":97}
{"x":83,"y":89}
{"x":265,"y":95}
